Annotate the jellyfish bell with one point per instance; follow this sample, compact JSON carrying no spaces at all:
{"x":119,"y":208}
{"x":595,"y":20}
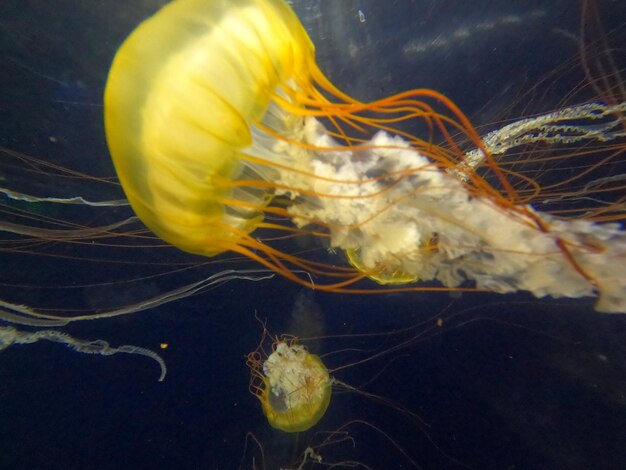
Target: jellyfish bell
{"x":293,"y":386}
{"x":169,"y":106}
{"x":212,"y":114}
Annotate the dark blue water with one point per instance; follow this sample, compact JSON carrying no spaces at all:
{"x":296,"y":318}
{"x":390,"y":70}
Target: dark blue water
{"x":505,"y":382}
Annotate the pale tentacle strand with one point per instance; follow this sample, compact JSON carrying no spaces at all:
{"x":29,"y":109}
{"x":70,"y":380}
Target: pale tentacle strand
{"x":26,"y":315}
{"x":574,"y":124}
{"x":10,"y":336}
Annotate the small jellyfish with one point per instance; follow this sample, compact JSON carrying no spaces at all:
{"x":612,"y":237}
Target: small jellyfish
{"x":293,"y":386}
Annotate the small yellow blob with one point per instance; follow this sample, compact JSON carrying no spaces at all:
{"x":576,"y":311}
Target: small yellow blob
{"x":164,"y":345}
{"x":295,"y":387}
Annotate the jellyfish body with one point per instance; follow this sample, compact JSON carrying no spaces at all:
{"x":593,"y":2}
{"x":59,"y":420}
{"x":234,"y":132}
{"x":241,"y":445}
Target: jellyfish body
{"x":182,"y":96}
{"x":293,"y":386}
{"x":212,"y":118}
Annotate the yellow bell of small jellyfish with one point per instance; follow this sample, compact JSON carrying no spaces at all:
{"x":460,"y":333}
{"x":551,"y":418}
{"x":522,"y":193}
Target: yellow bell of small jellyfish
{"x":182,"y":95}
{"x":294,"y":389}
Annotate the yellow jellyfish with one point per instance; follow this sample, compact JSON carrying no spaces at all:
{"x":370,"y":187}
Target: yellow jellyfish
{"x":292,"y":384}
{"x":221,"y":125}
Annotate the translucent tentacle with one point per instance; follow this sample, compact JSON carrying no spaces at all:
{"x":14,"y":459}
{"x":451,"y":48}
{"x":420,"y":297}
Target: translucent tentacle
{"x":10,"y":335}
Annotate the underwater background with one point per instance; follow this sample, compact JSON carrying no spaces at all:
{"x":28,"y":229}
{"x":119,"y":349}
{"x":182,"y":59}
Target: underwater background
{"x":504,"y":382}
